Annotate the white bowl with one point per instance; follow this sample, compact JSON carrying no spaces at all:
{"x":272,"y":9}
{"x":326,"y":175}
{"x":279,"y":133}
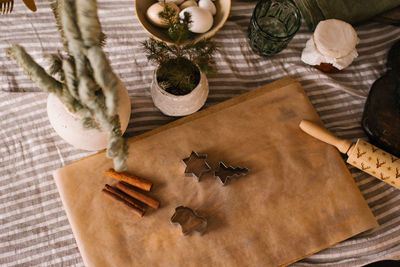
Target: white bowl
{"x":223,"y":10}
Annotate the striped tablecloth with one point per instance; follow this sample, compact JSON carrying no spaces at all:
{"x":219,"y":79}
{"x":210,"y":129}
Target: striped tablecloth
{"x":34,"y":229}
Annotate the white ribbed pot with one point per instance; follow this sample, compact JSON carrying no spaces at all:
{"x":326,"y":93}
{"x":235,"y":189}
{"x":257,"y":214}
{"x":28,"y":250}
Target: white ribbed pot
{"x":179,"y":105}
{"x":69,"y":126}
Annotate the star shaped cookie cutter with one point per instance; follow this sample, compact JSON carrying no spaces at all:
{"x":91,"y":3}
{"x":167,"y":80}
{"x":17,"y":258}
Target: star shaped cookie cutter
{"x":224,"y":173}
{"x":189,"y":220}
{"x":196,"y":165}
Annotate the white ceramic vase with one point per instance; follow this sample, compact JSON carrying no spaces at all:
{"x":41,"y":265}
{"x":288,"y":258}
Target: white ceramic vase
{"x":179,"y":105}
{"x":69,"y":126}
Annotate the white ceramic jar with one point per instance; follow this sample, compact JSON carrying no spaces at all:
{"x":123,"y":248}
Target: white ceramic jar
{"x":179,"y":105}
{"x":69,"y":126}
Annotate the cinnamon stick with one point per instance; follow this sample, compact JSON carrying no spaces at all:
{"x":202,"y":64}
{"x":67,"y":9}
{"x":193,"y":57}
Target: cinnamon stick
{"x":125,"y":197}
{"x":119,"y":197}
{"x":130,"y":179}
{"x":137,"y":195}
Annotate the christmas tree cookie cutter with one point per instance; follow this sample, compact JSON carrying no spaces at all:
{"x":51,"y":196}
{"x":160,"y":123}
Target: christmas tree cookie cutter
{"x":189,"y":220}
{"x":225,"y":173}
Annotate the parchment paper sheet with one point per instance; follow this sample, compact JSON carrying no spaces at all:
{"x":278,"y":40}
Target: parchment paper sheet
{"x":298,"y":198}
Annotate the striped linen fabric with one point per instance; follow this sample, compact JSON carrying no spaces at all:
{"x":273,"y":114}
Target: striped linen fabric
{"x":34,"y":229}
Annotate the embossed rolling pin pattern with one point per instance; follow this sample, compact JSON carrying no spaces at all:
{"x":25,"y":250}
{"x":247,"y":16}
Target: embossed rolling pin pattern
{"x":362,"y":155}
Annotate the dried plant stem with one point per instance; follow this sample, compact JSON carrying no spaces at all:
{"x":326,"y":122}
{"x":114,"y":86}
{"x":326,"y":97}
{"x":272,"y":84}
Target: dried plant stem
{"x":69,"y":76}
{"x":35,"y":72}
{"x":89,"y":23}
{"x":105,"y":77}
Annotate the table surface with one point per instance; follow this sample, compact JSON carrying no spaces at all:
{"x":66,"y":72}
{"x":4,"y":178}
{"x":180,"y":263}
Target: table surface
{"x":34,"y":229}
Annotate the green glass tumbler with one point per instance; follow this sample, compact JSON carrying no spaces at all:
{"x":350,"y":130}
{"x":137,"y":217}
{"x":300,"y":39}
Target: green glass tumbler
{"x":272,"y":26}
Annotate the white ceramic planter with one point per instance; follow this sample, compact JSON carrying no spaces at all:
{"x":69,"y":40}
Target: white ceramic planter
{"x":179,"y":105}
{"x":69,"y":126}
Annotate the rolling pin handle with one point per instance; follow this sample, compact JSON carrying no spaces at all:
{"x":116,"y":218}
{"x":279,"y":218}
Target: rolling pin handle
{"x":324,"y":135}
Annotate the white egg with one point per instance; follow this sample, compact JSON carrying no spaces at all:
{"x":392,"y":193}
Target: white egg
{"x":153,"y":13}
{"x":209,"y":5}
{"x":202,"y":20}
{"x":187,"y":4}
{"x":177,"y":2}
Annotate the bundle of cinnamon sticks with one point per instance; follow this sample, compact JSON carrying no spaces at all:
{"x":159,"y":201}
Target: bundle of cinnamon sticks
{"x":126,"y":191}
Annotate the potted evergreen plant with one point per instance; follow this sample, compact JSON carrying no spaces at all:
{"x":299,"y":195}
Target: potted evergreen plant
{"x":180,"y":85}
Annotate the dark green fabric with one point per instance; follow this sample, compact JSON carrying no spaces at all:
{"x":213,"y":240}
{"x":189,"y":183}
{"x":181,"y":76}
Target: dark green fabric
{"x":351,"y":11}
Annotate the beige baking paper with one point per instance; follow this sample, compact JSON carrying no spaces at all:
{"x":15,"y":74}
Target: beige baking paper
{"x":298,"y":198}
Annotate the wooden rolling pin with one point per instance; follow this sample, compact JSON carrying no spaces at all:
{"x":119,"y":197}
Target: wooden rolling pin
{"x":362,"y":155}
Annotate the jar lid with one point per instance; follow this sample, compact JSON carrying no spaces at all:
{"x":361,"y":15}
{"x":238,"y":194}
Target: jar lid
{"x":335,"y":38}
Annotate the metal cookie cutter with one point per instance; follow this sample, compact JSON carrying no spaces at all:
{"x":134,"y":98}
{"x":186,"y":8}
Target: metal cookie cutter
{"x":225,"y":173}
{"x":196,"y":165}
{"x":189,"y":220}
